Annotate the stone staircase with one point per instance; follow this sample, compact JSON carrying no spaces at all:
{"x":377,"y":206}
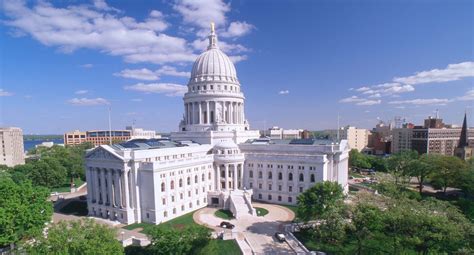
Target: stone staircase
{"x":240,"y":203}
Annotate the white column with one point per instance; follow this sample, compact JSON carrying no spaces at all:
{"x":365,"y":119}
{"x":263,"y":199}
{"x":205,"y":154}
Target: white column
{"x":127,"y":190}
{"x":186,"y":113}
{"x":226,"y":167}
{"x":231,"y":112}
{"x":102,"y":186}
{"x":117,"y":188}
{"x":218,"y":174}
{"x":208,"y":114}
{"x":90,"y":184}
{"x":236,"y":183}
{"x":109,"y":187}
{"x":200,"y":119}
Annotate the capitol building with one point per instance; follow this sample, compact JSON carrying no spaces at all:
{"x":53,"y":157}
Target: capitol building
{"x":215,"y":159}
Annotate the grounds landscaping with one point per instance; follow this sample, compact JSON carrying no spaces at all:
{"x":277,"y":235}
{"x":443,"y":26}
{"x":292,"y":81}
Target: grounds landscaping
{"x":224,"y":214}
{"x":261,"y":211}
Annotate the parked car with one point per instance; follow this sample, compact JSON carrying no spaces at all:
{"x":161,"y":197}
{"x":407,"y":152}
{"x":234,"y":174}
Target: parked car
{"x":280,"y":236}
{"x":226,"y":224}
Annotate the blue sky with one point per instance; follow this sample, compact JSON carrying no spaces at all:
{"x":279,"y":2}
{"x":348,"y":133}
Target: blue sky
{"x":300,"y":63}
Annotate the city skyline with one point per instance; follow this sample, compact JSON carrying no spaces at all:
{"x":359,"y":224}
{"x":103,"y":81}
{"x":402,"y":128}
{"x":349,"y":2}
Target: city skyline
{"x":299,"y":69}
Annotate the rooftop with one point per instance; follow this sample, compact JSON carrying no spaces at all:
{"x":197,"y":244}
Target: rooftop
{"x":290,"y":141}
{"x":154,"y":143}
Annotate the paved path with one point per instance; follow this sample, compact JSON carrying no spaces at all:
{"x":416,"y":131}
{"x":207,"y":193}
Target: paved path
{"x":258,"y":231}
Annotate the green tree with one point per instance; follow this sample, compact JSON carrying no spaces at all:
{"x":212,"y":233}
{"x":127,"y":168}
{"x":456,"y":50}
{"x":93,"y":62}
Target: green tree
{"x":315,"y":202}
{"x":366,"y":221}
{"x":48,"y":172}
{"x":357,"y":159}
{"x":24,"y":210}
{"x":177,"y":241}
{"x":399,"y":164}
{"x":447,"y":171}
{"x":77,"y":237}
{"x":420,"y":169}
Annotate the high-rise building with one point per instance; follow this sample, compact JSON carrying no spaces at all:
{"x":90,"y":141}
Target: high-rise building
{"x":74,"y":137}
{"x":11,"y":148}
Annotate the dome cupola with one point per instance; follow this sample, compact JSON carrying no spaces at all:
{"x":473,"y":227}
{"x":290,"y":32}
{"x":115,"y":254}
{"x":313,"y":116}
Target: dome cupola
{"x":213,"y":64}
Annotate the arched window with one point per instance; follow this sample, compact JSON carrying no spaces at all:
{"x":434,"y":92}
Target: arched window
{"x":312,"y":178}
{"x":260,"y":175}
{"x":188,"y":181}
{"x":195,"y":179}
{"x":203,"y":177}
{"x":163,"y":187}
{"x":290,"y":176}
{"x":172,"y":185}
{"x":180,"y":182}
{"x":251,"y":174}
{"x":209,"y":175}
{"x":270,"y":175}
{"x":280,"y":176}
{"x":301,"y":178}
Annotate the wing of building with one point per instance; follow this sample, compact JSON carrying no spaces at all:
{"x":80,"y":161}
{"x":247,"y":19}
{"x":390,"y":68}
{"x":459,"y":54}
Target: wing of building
{"x":214,"y":159}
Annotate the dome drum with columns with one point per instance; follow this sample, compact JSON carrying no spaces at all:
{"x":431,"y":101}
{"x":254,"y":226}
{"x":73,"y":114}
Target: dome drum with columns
{"x":214,"y":100}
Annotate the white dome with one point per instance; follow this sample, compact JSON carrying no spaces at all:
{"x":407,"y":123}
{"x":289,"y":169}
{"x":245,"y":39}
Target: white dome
{"x":226,"y":145}
{"x":213,"y":64}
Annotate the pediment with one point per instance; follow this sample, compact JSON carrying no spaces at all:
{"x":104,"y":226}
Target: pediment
{"x":101,"y":153}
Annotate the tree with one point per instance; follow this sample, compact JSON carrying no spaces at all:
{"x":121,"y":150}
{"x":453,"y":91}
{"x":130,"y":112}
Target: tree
{"x":420,"y":169}
{"x":315,"y":202}
{"x":24,"y":210}
{"x":447,"y":170}
{"x":399,"y":164}
{"x":48,"y":172}
{"x":366,"y":220}
{"x":176,"y":241}
{"x":357,"y":159}
{"x":77,"y":237}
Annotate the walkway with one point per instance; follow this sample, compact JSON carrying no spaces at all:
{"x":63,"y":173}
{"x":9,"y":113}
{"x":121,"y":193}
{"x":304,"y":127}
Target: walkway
{"x":257,"y":231}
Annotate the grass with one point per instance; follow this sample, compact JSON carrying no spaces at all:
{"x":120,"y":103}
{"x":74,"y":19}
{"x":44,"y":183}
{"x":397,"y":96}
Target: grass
{"x":220,"y":247}
{"x":67,"y":186}
{"x":224,"y":214}
{"x":261,"y":211}
{"x":78,"y":208}
{"x":178,"y":223}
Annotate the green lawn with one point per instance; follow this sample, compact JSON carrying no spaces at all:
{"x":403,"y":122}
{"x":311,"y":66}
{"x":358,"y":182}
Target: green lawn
{"x":261,"y":211}
{"x":78,"y":208}
{"x":224,"y":214}
{"x":67,"y":187}
{"x":179,"y":223}
{"x":220,"y":247}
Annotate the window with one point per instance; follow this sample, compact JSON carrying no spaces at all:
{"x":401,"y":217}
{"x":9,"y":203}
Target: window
{"x":301,"y":189}
{"x":162,"y":187}
{"x":260,"y":175}
{"x":172,"y":185}
{"x":209,"y":175}
{"x":259,"y":196}
{"x":269,"y":197}
{"x":270,"y":175}
{"x":251,"y":185}
{"x":290,"y":188}
{"x":269,"y":187}
{"x":172,"y":198}
{"x":312,"y":178}
{"x":195,"y":179}
{"x":189,"y":181}
{"x":290,"y":199}
{"x":164,"y":201}
{"x":280,"y":176}
{"x":301,"y":178}
{"x":279,"y":198}
{"x":279,"y":187}
{"x":180,"y":182}
{"x":260,"y":186}
{"x":251,"y":174}
{"x":290,"y":177}
{"x":203,"y":177}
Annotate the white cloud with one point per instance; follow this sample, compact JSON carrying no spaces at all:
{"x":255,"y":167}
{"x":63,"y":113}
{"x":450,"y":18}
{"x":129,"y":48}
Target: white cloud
{"x":202,"y":13}
{"x":169,"y":89}
{"x":138,"y":74}
{"x":362,"y":89}
{"x":360,"y":101}
{"x":136,"y":100}
{"x":469,"y":96}
{"x":93,"y":27}
{"x":387,"y":89}
{"x":81,"y":92}
{"x":451,"y":73}
{"x":149,"y":75}
{"x":171,"y":71}
{"x":4,"y":93}
{"x":284,"y":92}
{"x":88,"y":101}
{"x":87,"y":65}
{"x":419,"y":101}
{"x":237,"y":58}
{"x":376,"y":95}
{"x":237,"y":29}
